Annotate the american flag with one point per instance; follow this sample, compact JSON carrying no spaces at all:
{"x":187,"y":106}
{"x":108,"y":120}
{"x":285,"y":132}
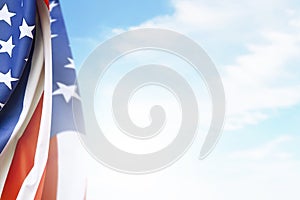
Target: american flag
{"x":38,"y":99}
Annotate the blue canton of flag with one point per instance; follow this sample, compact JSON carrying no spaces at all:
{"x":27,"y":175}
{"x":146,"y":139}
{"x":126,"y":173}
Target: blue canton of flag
{"x":17,"y":29}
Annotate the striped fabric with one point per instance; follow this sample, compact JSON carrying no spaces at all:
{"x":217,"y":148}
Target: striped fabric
{"x":38,"y":100}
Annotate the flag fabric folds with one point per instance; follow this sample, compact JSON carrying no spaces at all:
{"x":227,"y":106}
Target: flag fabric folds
{"x":38,"y":98}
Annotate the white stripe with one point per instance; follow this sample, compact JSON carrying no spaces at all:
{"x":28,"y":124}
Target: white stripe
{"x":71,"y":169}
{"x":32,"y":181}
{"x":33,"y":92}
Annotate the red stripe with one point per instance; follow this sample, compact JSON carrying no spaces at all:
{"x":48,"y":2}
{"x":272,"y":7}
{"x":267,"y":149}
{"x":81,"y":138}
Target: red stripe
{"x":51,"y":179}
{"x":23,"y":159}
{"x":85,"y":191}
{"x":48,"y":185}
{"x":40,"y":189}
{"x":47,"y":3}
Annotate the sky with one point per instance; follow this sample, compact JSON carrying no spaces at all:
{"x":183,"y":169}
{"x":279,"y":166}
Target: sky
{"x":255,"y":46}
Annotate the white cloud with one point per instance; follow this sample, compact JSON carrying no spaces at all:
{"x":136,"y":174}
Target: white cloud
{"x":189,"y":14}
{"x":262,"y":79}
{"x":256,"y":44}
{"x":272,"y":149}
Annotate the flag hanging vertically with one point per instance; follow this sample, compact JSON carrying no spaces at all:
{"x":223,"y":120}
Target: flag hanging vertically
{"x":38,"y":95}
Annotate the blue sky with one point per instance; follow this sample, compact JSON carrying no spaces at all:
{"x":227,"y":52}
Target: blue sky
{"x":110,"y":14}
{"x":94,"y":20}
{"x":255,"y":45}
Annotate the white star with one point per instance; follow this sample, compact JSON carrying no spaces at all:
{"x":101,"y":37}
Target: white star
{"x":68,"y":91}
{"x":71,"y":64}
{"x":7,"y":79}
{"x":6,"y":15}
{"x":1,"y":105}
{"x":53,"y":36}
{"x":52,"y":5}
{"x":7,"y":46}
{"x":26,"y":30}
{"x":26,"y":59}
{"x":52,"y":20}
